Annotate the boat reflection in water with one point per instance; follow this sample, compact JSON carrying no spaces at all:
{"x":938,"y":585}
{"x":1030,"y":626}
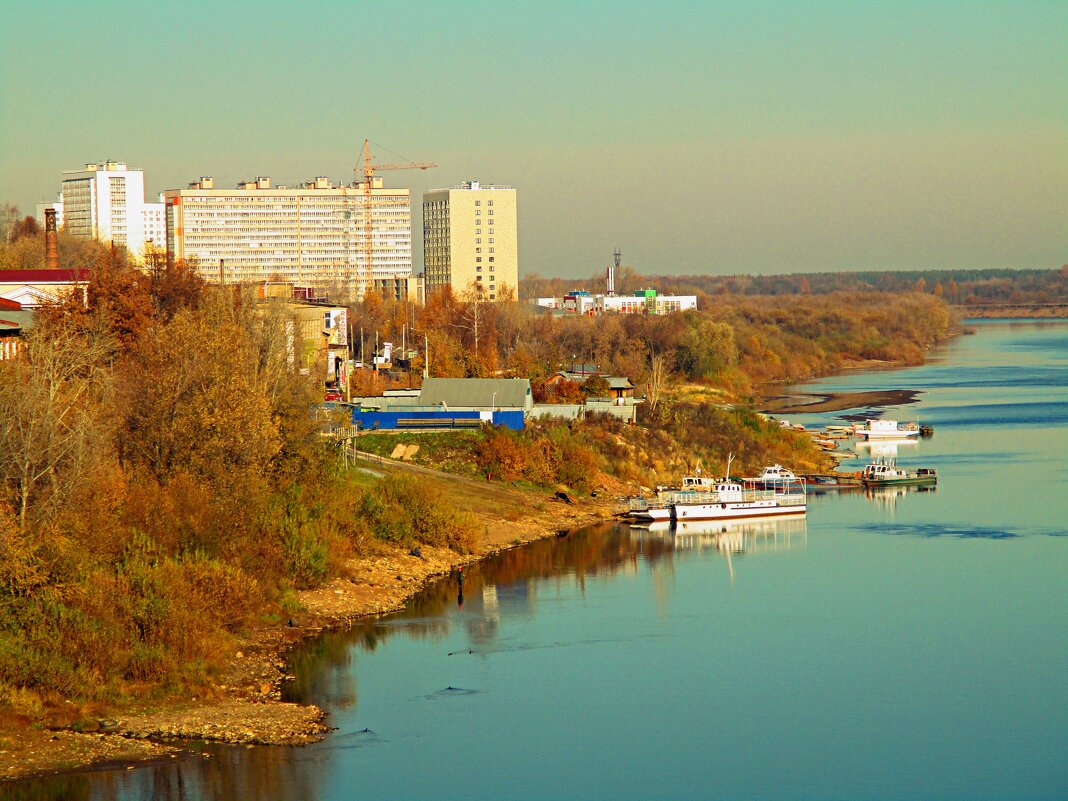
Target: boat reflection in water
{"x":887,"y":497}
{"x":887,"y":450}
{"x":730,"y":537}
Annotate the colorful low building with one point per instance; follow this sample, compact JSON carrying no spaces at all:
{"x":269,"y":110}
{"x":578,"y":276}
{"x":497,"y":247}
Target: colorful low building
{"x":643,"y":301}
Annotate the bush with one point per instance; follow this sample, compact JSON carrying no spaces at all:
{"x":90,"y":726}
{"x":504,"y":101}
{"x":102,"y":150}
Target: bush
{"x":406,"y":510}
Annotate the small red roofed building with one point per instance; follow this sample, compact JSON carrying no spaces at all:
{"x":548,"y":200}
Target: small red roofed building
{"x":14,"y":321}
{"x":33,"y":288}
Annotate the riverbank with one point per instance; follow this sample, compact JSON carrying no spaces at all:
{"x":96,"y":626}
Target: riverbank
{"x":818,"y":402}
{"x":245,"y":705}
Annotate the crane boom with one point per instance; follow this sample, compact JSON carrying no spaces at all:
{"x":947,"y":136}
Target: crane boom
{"x":369,"y":170}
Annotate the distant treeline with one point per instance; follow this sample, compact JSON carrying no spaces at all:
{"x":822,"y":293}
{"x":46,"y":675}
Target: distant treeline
{"x":732,"y":342}
{"x":956,"y":287}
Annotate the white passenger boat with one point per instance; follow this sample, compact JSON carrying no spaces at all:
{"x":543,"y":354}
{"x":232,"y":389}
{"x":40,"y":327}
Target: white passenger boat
{"x":641,"y":508}
{"x":731,"y":500}
{"x":887,"y":429}
{"x":659,"y":507}
{"x":773,"y":477}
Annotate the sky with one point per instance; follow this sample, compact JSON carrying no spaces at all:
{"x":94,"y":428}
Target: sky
{"x":697,"y":137}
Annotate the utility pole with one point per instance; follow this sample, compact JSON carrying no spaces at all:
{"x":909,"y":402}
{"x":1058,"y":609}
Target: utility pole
{"x":426,"y":357}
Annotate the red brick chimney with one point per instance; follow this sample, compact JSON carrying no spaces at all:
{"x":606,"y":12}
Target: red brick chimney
{"x":51,"y":246}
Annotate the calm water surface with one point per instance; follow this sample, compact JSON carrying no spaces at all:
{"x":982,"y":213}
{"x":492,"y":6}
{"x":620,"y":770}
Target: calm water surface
{"x":910,"y":645}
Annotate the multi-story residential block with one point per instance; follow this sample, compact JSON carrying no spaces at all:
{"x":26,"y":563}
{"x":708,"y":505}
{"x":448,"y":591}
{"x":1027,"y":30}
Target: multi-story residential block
{"x":105,"y":201}
{"x":318,"y":234}
{"x":471,"y":240}
{"x":155,"y":223}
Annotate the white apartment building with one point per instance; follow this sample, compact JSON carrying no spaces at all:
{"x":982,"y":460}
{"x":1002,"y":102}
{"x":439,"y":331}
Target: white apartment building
{"x":316,"y":234}
{"x":156,"y":223}
{"x":106,"y":201}
{"x":470,"y":239}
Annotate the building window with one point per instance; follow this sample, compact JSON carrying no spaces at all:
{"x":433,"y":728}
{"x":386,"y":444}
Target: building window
{"x":491,"y":230}
{"x":478,"y":277}
{"x":489,"y":202}
{"x":478,"y":250}
{"x":492,"y":296}
{"x":478,"y":258}
{"x":478,"y":202}
{"x":478,"y":241}
{"x":491,"y":212}
{"x":478,"y":212}
{"x":491,"y":240}
{"x":491,"y":258}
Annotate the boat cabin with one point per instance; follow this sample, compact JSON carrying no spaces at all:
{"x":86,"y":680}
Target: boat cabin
{"x":698,"y":482}
{"x":777,"y":472}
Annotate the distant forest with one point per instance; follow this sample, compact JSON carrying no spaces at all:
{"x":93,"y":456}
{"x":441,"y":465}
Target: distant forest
{"x":956,"y":287}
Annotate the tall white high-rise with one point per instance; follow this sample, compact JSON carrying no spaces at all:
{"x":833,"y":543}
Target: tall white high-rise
{"x":471,"y":240}
{"x":106,"y":201}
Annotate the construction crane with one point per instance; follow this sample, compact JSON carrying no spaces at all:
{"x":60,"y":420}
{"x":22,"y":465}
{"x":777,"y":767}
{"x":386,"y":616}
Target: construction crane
{"x":369,"y":170}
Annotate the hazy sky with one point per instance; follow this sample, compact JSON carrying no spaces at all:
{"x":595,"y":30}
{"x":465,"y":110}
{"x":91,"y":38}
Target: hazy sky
{"x":697,"y":137}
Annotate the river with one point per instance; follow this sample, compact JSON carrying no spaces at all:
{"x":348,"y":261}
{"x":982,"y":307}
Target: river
{"x":903,"y":645}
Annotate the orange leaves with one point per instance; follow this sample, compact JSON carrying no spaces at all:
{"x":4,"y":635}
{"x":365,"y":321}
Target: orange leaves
{"x":196,"y":403}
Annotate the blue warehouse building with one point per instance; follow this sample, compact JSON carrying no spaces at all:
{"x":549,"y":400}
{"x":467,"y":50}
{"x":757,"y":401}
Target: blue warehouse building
{"x":447,"y":403}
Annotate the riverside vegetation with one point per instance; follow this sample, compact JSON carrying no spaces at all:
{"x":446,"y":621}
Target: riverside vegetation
{"x":165,"y":486}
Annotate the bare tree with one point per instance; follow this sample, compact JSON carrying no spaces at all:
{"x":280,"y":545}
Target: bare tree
{"x":9,"y":216}
{"x":50,"y":404}
{"x":659,"y":377}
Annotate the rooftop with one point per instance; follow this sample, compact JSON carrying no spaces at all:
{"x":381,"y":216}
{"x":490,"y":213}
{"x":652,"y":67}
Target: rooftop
{"x":474,"y":185}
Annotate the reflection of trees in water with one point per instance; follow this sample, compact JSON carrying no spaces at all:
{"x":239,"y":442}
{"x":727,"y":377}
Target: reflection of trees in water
{"x":322,"y":671}
{"x":54,"y":788}
{"x":504,"y":584}
{"x":325,"y":675}
{"x":599,"y":551}
{"x":226,"y":772}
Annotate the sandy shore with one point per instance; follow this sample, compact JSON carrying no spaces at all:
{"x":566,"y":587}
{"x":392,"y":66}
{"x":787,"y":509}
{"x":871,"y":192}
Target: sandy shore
{"x":246,"y":706}
{"x":814,"y":402}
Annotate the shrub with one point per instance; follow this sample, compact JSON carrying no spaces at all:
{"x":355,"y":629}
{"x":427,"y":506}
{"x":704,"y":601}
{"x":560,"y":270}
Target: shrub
{"x":407,"y":510}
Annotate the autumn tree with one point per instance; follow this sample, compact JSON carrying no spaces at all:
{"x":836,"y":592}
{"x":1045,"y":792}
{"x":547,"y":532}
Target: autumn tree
{"x":26,"y":227}
{"x":197,"y":402}
{"x":596,"y":386}
{"x":51,"y":409}
{"x":658,"y":379}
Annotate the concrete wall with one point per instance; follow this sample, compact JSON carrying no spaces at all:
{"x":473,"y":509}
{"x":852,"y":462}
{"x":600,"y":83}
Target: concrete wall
{"x":570,"y":411}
